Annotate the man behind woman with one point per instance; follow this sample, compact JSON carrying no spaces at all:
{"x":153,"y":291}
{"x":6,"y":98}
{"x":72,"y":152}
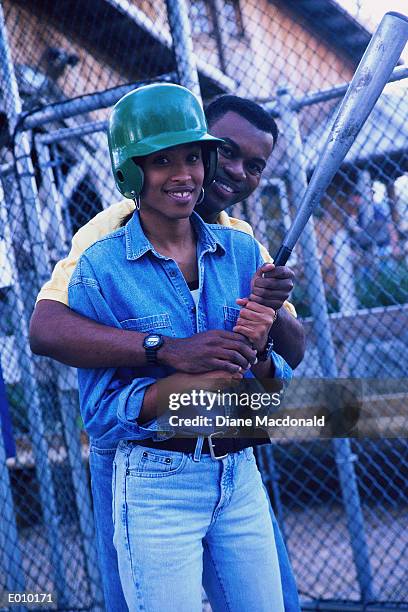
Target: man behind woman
{"x":231,"y":173}
{"x":180,"y":516}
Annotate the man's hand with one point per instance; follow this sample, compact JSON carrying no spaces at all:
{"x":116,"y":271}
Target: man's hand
{"x":254,"y":322}
{"x":271,"y":285}
{"x":209,"y":351}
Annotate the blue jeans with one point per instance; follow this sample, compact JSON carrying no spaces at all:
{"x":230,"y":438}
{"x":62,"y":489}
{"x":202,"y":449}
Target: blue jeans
{"x":101,"y":462}
{"x":182,"y":521}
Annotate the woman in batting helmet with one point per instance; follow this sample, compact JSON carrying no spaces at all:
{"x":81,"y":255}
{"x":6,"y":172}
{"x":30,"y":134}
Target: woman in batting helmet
{"x":185,"y":509}
{"x":150,"y":119}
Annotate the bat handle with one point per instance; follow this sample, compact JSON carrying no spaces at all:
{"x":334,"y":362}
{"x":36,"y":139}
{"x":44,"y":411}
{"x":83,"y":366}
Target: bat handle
{"x":282,"y":255}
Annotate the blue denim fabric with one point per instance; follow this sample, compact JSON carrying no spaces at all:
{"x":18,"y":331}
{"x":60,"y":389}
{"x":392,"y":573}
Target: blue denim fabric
{"x":101,"y":464}
{"x":179,"y":522}
{"x":122,"y":281}
{"x":289,"y":587}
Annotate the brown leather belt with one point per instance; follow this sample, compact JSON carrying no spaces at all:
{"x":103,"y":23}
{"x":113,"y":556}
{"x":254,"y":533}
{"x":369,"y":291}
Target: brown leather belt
{"x":213,"y":445}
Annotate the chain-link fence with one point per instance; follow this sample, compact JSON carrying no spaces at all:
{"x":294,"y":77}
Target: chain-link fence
{"x":342,"y":504}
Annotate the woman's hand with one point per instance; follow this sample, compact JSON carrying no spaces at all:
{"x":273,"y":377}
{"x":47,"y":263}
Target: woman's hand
{"x":208,"y":381}
{"x":156,"y":398}
{"x":254,"y":321}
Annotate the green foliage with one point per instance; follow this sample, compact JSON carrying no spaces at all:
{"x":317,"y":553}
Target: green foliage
{"x":18,"y":412}
{"x":300,"y":299}
{"x":382,"y":285}
{"x":385,"y":284}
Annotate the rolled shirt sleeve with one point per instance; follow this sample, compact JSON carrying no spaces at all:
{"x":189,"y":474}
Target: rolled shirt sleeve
{"x":111,"y":412}
{"x":282,"y":368}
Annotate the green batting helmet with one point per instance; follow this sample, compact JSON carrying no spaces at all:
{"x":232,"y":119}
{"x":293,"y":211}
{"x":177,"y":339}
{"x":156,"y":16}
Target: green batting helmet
{"x":152,"y":118}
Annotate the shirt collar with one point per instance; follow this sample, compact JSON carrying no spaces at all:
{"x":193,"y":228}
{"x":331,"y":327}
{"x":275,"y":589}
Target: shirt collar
{"x":137,"y":244}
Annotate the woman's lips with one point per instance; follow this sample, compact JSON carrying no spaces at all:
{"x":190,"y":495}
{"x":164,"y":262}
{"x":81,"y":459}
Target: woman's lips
{"x":181,"y":197}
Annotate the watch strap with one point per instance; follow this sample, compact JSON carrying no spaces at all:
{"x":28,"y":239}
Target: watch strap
{"x":151,"y":356}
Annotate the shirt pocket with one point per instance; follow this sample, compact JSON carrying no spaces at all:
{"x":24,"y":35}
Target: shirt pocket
{"x":231,"y":315}
{"x":160,"y":323}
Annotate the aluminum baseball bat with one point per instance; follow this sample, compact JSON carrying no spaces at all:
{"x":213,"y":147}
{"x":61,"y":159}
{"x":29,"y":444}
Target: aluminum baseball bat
{"x":370,"y":78}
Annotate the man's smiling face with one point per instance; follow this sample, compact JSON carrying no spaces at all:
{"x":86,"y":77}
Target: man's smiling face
{"x":241,"y":162}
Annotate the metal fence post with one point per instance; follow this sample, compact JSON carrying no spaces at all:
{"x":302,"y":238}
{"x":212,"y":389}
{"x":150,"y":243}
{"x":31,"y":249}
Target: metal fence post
{"x":283,"y":200}
{"x":321,"y":325}
{"x":40,"y":447}
{"x":221,"y":29}
{"x":67,"y":382}
{"x":52,"y":200}
{"x":37,"y":432}
{"x":256,"y":218}
{"x":183,"y":44}
{"x":344,"y":272}
{"x":10,"y":553}
{"x":30,"y":200}
{"x":314,"y":280}
{"x":13,"y":106}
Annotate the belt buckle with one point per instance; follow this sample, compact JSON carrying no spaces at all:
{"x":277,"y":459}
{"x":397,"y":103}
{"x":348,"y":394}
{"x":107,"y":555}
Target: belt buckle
{"x":211,"y":446}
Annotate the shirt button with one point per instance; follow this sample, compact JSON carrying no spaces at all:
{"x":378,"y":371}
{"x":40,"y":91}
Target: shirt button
{"x":168,"y":460}
{"x":193,"y":309}
{"x":172,"y":273}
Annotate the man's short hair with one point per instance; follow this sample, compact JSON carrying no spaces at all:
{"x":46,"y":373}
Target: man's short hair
{"x":249,"y":110}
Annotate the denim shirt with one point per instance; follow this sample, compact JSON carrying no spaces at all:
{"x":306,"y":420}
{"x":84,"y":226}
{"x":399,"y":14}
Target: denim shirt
{"x":122,"y":281}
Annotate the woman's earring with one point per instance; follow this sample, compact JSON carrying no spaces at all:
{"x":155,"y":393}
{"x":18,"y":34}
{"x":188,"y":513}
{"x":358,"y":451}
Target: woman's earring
{"x":136,"y":199}
{"x":201,"y":198}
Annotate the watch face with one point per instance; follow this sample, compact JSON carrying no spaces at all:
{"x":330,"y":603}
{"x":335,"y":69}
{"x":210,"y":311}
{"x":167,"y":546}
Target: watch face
{"x":152,"y":341}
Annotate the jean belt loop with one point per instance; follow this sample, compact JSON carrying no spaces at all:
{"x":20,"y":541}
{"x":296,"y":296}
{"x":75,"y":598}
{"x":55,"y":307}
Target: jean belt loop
{"x":198,"y":448}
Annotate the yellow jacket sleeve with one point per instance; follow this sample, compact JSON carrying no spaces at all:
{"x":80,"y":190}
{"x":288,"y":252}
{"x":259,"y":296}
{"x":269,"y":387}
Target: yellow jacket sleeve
{"x":243,"y":226}
{"x":102,"y":224}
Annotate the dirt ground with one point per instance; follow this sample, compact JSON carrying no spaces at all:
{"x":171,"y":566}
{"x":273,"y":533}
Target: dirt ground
{"x":318,"y":543}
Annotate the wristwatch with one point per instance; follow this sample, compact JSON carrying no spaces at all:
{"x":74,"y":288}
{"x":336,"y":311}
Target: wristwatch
{"x":266,"y":353}
{"x":152,"y":343}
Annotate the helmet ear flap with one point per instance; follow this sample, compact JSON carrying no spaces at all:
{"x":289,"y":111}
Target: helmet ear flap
{"x":129,"y":178}
{"x":210,"y":160}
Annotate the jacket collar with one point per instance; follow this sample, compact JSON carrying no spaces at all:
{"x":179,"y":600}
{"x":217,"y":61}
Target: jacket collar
{"x":137,"y":243}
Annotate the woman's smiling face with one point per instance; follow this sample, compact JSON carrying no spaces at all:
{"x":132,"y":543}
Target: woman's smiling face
{"x":173,"y":179}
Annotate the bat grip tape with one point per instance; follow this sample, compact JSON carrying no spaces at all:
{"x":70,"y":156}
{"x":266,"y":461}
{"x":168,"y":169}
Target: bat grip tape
{"x":282,"y":256}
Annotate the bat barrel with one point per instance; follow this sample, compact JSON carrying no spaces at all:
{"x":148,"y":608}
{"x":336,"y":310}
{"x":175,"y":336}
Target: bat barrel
{"x":372,"y":74}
